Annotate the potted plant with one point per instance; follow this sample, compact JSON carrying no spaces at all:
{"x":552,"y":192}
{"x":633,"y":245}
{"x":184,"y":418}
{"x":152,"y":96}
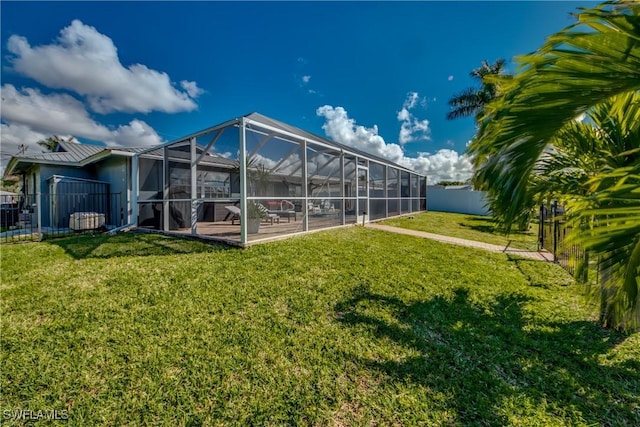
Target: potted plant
{"x":254,"y":217}
{"x":257,"y":184}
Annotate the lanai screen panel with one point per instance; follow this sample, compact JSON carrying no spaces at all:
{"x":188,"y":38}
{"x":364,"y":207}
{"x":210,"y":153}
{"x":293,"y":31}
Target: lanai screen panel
{"x":217,"y":182}
{"x":325,"y":190}
{"x":351,"y":189}
{"x":150,"y":184}
{"x":178,"y":191}
{"x":377,"y":191}
{"x":275,"y":183}
{"x":405,"y":192}
{"x":393,"y":191}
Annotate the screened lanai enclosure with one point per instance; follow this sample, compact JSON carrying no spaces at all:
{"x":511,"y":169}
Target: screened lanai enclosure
{"x":254,"y":178}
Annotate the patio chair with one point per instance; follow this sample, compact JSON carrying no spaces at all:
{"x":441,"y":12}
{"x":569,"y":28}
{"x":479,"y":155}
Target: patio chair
{"x":267,"y":215}
{"x":235,"y":213}
{"x":282,"y":209}
{"x":313,"y":209}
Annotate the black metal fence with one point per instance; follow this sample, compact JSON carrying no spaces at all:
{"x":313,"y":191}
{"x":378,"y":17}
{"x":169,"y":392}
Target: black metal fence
{"x":552,"y":236}
{"x":36,"y":217}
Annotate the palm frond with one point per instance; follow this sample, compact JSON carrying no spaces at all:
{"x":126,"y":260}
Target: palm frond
{"x":573,"y":71}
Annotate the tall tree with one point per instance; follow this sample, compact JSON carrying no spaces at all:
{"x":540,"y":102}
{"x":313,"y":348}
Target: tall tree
{"x":51,"y":144}
{"x":592,"y":68}
{"x":471,"y":101}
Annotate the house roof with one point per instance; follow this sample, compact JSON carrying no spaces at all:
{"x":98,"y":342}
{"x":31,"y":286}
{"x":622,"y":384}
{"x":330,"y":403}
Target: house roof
{"x":67,"y":154}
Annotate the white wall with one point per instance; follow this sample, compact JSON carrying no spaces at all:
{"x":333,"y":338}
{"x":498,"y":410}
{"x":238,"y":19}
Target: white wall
{"x":459,"y":201}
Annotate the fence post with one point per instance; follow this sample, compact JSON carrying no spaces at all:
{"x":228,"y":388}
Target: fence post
{"x":556,"y":233}
{"x":541,"y":228}
{"x":39,"y":213}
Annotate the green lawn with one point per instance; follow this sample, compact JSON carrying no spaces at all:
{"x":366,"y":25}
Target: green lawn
{"x":472,"y":227}
{"x":345,"y":327}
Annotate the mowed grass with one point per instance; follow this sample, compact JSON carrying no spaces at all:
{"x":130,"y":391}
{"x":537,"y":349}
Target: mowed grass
{"x":472,"y":227}
{"x":345,"y":327}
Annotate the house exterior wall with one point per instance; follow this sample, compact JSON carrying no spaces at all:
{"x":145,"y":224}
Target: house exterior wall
{"x":458,"y":201}
{"x":117,"y":172}
{"x":47,"y":171}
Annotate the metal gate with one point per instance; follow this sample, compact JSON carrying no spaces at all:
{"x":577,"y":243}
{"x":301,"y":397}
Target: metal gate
{"x":552,"y":235}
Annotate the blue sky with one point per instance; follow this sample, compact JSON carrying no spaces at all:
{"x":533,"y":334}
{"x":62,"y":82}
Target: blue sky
{"x":374,"y":75}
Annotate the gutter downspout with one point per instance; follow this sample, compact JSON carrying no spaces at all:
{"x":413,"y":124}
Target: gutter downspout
{"x":133,"y":222}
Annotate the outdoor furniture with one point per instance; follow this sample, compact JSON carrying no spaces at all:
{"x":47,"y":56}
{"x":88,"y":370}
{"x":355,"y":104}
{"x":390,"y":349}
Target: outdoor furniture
{"x":267,"y":215}
{"x":284,"y":208}
{"x":235,"y":214}
{"x":235,"y":211}
{"x":324,"y":208}
{"x":313,"y":208}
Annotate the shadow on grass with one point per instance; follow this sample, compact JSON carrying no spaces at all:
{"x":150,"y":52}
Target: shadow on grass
{"x":482,"y":225}
{"x":486,"y":357}
{"x":131,"y":244}
{"x":487,"y":225}
{"x":535,"y":280}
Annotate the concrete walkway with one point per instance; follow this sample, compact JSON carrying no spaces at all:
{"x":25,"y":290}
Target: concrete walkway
{"x":540,"y":256}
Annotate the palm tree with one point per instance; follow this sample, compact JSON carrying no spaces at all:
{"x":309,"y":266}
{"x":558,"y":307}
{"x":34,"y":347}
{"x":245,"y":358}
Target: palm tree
{"x":593,"y":68}
{"x":471,"y":101}
{"x":50,"y":144}
{"x":53,"y":142}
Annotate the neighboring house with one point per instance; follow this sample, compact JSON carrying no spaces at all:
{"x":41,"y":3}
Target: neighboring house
{"x":458,"y":199}
{"x":305,"y":181}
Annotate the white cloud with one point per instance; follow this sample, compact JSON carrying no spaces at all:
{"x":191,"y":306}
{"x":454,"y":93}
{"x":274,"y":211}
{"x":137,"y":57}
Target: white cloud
{"x":306,"y":79}
{"x":29,"y":114}
{"x":191,"y":88}
{"x":136,"y":133}
{"x":445,"y":164}
{"x":412,"y":129}
{"x":343,"y":129}
{"x":13,"y":136}
{"x":450,"y":78}
{"x":285,"y":166}
{"x":86,"y":62}
{"x":410,"y":102}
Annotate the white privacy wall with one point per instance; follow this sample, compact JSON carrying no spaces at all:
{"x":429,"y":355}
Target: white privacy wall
{"x":459,"y":201}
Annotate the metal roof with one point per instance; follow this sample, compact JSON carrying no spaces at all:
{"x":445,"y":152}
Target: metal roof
{"x":73,"y":153}
{"x":69,"y":154}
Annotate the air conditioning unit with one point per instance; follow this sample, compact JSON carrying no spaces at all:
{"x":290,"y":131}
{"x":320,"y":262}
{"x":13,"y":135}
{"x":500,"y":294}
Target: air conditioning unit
{"x":86,"y":221}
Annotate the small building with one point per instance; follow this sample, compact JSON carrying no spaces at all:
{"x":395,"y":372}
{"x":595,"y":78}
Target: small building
{"x":249,"y":179}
